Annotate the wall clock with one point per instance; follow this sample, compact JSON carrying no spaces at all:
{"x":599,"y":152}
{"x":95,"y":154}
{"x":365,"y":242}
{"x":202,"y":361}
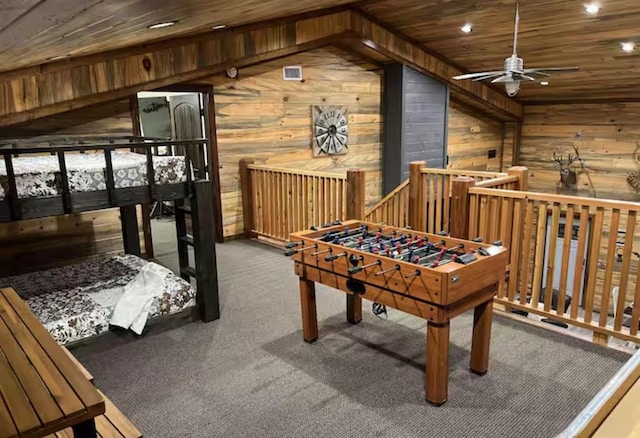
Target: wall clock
{"x":330,"y":130}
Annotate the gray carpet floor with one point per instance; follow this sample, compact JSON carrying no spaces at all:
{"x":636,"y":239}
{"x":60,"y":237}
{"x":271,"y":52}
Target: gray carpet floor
{"x":250,"y":374}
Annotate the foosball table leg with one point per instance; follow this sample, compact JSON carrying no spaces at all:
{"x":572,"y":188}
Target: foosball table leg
{"x":437,"y":373}
{"x":481,"y":339}
{"x":354,"y":308}
{"x":309,"y":313}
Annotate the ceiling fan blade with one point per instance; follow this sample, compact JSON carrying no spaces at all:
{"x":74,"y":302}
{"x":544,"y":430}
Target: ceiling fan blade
{"x":538,"y":70}
{"x":478,"y":75}
{"x":502,"y":79}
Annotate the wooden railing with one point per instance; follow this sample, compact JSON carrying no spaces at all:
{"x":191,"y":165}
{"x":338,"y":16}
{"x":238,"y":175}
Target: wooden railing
{"x":392,"y":209}
{"x":430,"y":200}
{"x":278,"y":201}
{"x":580,"y":249}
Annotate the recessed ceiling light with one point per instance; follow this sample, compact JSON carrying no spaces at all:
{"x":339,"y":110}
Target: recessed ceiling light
{"x":592,"y":8}
{"x":161,"y":25}
{"x":544,"y":83}
{"x":628,"y":47}
{"x":219,"y":26}
{"x":466,"y":28}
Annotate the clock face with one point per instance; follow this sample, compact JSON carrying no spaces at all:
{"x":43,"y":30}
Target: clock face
{"x":330,"y":130}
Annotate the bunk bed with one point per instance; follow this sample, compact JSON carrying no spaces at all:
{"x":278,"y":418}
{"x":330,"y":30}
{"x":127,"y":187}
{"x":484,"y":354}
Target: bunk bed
{"x":79,"y":301}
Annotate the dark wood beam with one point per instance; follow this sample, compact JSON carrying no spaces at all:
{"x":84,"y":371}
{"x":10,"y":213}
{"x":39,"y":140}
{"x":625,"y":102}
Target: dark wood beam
{"x":66,"y":85}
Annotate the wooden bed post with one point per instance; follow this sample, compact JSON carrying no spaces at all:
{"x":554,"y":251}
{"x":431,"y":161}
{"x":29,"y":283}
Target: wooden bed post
{"x":130,"y":234}
{"x":204,"y":247}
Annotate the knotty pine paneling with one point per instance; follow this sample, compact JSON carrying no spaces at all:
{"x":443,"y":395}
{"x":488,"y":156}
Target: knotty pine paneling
{"x":262,"y":117}
{"x":40,"y":243}
{"x":609,"y":143}
{"x":469,"y":140}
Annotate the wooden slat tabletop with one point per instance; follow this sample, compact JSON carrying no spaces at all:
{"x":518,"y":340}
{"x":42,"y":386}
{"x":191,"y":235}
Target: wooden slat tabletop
{"x":41,"y":389}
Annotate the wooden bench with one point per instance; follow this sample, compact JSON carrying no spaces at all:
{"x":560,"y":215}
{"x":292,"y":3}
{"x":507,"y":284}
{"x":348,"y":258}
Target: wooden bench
{"x":82,"y":369}
{"x":112,"y":424}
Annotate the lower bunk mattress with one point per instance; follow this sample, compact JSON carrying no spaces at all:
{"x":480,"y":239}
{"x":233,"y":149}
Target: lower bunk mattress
{"x":76,"y":302}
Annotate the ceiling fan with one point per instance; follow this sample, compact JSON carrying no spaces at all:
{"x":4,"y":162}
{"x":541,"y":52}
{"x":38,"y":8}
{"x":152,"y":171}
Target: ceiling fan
{"x":514,"y":71}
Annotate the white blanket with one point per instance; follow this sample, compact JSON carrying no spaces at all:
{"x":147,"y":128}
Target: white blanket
{"x":132,"y":309}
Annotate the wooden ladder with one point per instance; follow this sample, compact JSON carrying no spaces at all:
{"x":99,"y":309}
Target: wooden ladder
{"x":202,"y":241}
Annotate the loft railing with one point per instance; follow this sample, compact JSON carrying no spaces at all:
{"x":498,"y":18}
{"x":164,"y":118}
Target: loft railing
{"x":279,"y":201}
{"x":572,"y":260}
{"x":393,"y":209}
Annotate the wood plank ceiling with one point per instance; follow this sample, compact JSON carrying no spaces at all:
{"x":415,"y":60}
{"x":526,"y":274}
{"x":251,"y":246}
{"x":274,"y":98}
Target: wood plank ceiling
{"x":553,"y":33}
{"x":33,"y":31}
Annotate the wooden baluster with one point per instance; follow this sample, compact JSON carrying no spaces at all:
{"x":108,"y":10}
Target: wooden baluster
{"x":541,"y":228}
{"x":627,"y":253}
{"x":579,"y":266}
{"x":12,"y":194}
{"x":551,"y":260}
{"x":592,"y":273}
{"x":609,"y":267}
{"x":447,"y":202}
{"x":415,"y":193}
{"x":431,"y":211}
{"x":248,"y":190}
{"x":439,"y":200}
{"x":526,"y":252}
{"x":566,"y":252}
{"x":516,"y":241}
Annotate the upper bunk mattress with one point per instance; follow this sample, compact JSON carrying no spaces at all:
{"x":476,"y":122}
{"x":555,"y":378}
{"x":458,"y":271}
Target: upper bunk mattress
{"x":38,"y":176}
{"x":76,"y":302}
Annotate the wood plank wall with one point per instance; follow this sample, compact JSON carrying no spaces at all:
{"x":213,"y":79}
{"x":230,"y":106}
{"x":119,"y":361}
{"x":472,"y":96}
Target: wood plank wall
{"x":609,"y":144}
{"x":40,"y":243}
{"x":262,"y":117}
{"x":470,"y":137}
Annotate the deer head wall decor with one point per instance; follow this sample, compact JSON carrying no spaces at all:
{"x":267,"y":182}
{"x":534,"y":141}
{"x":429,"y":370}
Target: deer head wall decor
{"x":568,"y":177}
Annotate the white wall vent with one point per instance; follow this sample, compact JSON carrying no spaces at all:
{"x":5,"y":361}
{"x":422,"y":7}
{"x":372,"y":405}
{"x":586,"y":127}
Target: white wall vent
{"x":292,"y":73}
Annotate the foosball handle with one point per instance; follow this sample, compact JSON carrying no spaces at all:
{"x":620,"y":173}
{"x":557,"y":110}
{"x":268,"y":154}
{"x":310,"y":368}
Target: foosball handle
{"x":290,"y":252}
{"x":292,"y":244}
{"x":355,"y":269}
{"x":333,"y":257}
{"x":478,"y":239}
{"x":442,"y":233}
{"x":497,"y":243}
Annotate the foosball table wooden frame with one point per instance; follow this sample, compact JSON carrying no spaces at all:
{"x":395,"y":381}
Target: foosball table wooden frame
{"x":437,"y":292}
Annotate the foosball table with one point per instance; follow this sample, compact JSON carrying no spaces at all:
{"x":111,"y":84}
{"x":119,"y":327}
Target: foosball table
{"x":431,"y":276}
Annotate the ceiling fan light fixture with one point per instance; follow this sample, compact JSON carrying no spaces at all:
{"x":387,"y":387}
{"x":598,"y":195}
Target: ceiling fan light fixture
{"x":219,"y":26}
{"x":512,"y":87}
{"x":467,"y":28}
{"x":544,"y":83}
{"x":628,"y":47}
{"x":592,"y":8}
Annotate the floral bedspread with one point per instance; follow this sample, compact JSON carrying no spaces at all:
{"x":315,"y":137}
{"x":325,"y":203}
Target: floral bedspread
{"x":39,"y":175}
{"x":75,"y":302}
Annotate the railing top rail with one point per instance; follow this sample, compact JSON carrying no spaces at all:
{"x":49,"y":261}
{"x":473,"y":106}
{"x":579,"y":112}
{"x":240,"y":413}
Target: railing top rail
{"x":559,"y":199}
{"x":389,"y":196}
{"x":471,"y":173}
{"x":489,"y":183}
{"x":336,"y":175}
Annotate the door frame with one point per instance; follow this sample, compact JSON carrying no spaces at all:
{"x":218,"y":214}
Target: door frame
{"x":213,"y":164}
